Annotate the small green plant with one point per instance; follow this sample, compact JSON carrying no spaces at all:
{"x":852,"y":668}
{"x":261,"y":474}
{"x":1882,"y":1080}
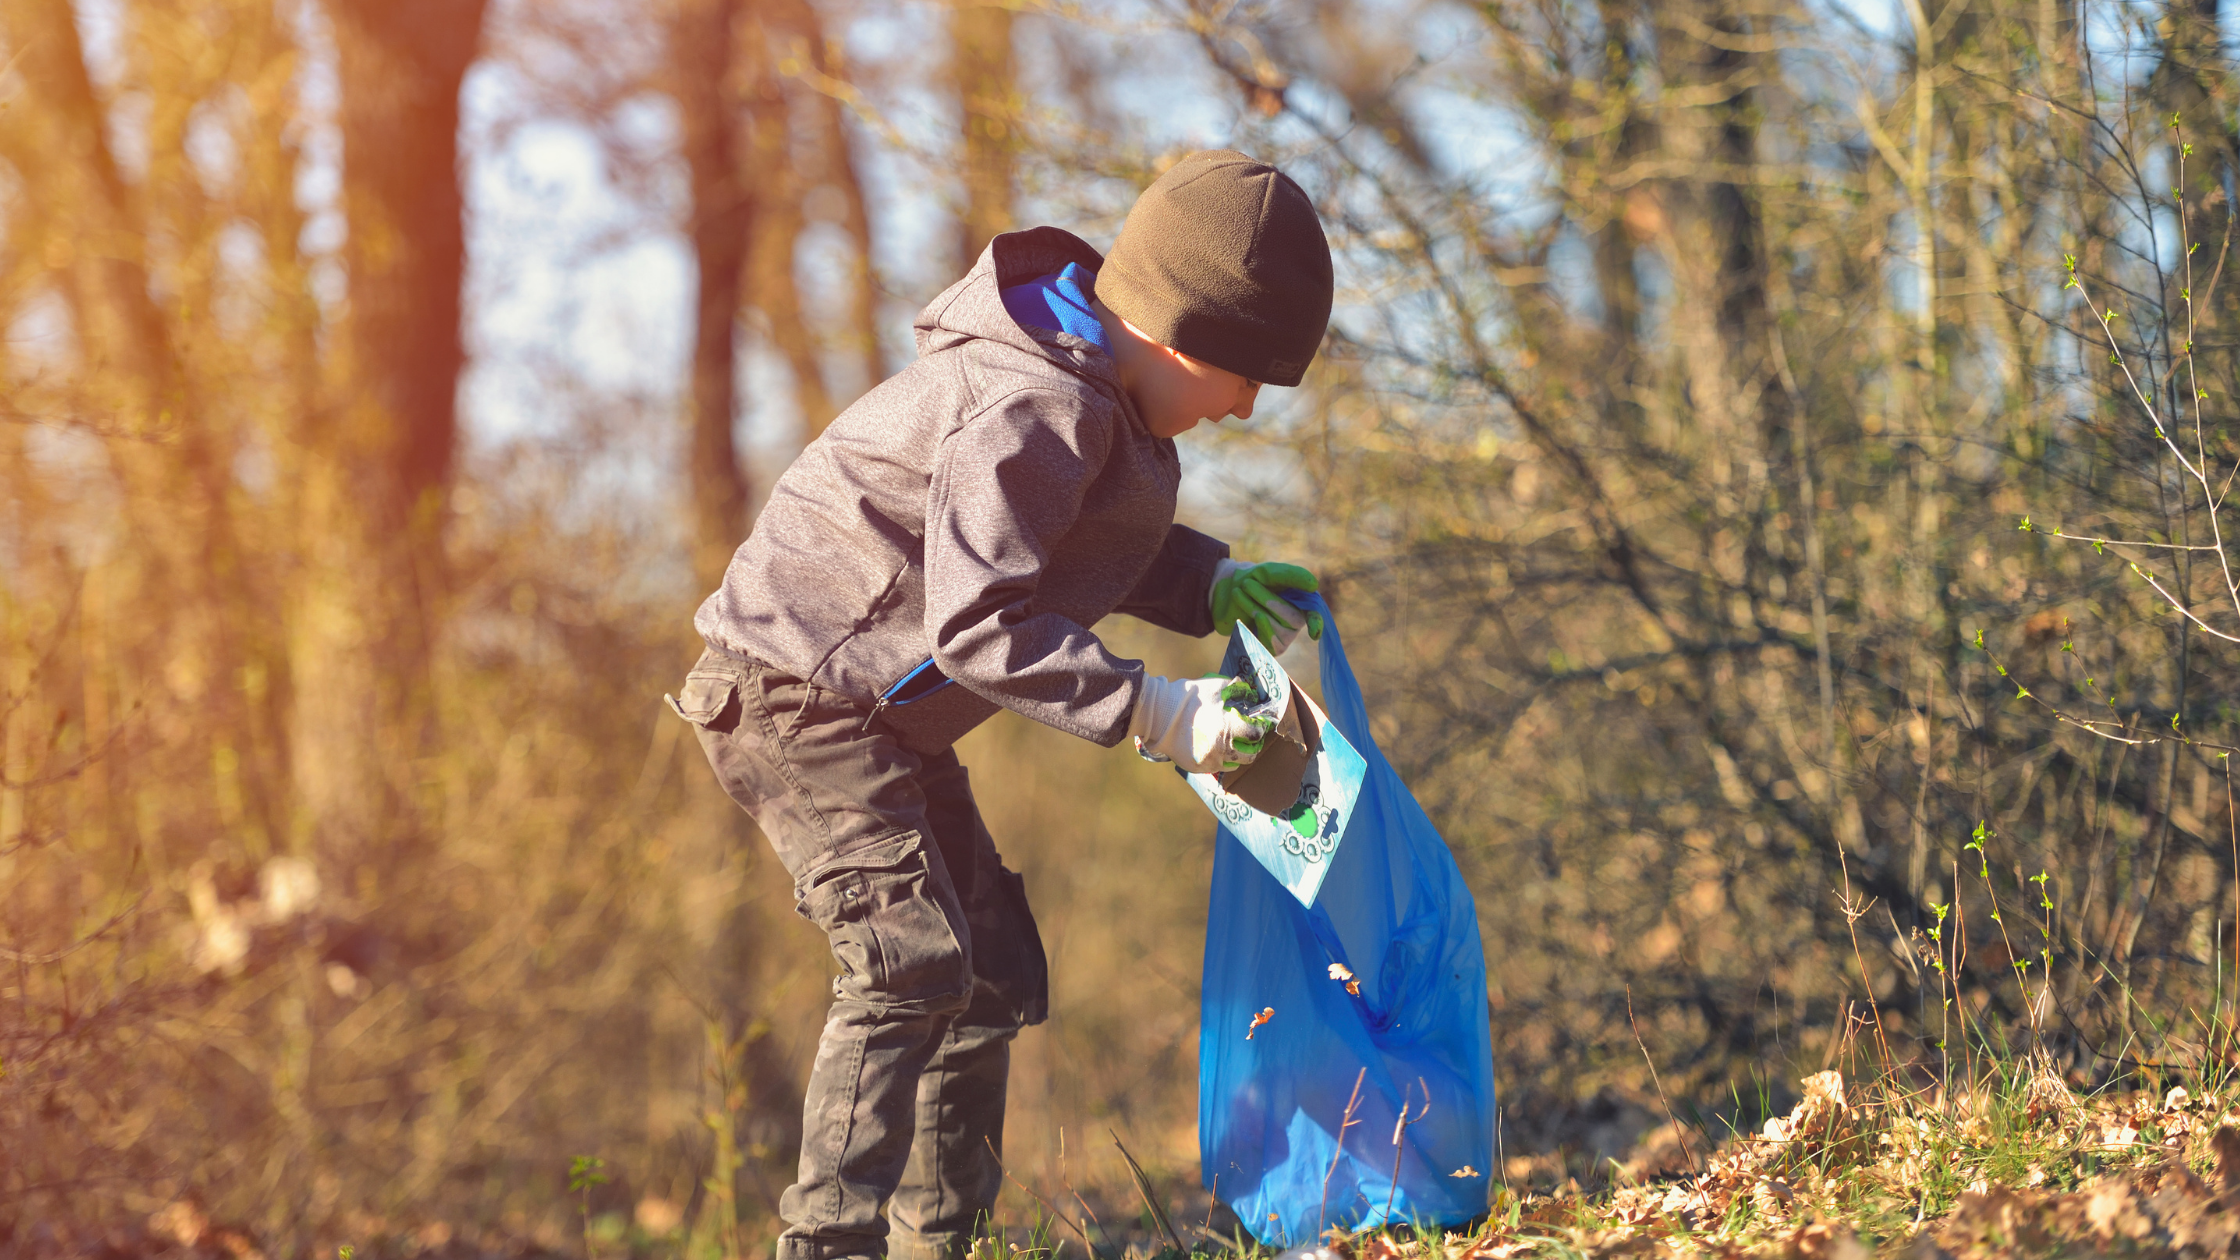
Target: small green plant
{"x":726,"y":1073}
{"x":585,"y":1172}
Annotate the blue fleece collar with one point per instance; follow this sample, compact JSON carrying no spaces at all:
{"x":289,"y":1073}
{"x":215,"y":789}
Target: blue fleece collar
{"x":1059,"y":303}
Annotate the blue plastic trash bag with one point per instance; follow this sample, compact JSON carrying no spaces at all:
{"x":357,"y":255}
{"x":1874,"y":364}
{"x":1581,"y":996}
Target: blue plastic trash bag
{"x":1394,"y":917}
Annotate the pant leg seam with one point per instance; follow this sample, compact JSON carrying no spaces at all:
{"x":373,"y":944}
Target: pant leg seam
{"x":941,"y":1124}
{"x":837,"y":1190}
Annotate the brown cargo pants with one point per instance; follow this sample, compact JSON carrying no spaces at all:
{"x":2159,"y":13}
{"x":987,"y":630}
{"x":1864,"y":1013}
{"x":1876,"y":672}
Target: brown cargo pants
{"x":940,"y":962}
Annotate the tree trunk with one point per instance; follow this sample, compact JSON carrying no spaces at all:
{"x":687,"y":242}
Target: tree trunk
{"x":842,"y":170}
{"x":776,"y":232}
{"x":981,"y":68}
{"x":402,"y":65}
{"x":703,"y":34}
{"x":378,"y":464}
{"x":1625,"y":221}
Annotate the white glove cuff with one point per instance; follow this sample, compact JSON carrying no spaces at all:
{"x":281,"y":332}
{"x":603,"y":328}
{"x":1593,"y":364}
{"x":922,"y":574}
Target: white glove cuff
{"x":1157,"y":706}
{"x":1222,"y":568}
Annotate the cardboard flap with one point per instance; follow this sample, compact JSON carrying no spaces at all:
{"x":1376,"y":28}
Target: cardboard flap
{"x":1271,"y":783}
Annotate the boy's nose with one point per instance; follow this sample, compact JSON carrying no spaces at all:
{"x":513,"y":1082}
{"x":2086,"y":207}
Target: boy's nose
{"x":1245,"y":400}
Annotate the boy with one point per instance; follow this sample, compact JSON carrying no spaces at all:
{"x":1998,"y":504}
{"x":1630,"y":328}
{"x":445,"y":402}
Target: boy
{"x":940,"y":552}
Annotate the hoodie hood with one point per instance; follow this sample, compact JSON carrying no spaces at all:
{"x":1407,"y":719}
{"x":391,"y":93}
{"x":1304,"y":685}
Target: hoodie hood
{"x":972,"y":308}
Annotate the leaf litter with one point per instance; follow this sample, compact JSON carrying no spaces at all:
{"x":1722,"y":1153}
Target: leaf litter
{"x":2023,"y":1165}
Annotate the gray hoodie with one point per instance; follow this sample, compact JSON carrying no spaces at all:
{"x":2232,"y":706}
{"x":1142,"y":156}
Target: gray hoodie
{"x":981,"y":509}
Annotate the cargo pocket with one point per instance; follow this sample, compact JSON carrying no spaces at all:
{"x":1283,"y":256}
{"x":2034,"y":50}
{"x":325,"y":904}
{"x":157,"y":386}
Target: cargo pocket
{"x":895,"y":924}
{"x":709,"y":699}
{"x":1029,"y":989}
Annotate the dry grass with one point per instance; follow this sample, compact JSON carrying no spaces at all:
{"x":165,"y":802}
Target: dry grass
{"x":2017,"y":1161}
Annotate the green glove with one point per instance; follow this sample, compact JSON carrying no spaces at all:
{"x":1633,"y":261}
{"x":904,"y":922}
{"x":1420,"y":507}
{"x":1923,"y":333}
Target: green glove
{"x":1234,"y":697}
{"x":1247,"y":593}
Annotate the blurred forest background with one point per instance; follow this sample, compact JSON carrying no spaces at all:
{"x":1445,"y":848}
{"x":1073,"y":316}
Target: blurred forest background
{"x":383,"y":382}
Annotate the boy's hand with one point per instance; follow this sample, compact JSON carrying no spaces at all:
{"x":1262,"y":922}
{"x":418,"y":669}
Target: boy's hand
{"x":1190,"y":722}
{"x":1247,"y":593}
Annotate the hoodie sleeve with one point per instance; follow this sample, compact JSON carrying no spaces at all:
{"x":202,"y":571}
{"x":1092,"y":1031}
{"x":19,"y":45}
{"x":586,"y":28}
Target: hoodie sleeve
{"x":1006,"y":487}
{"x":1176,"y":592}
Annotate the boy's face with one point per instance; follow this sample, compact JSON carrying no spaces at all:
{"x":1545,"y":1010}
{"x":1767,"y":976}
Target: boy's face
{"x":1180,"y":391}
{"x":1171,"y":390}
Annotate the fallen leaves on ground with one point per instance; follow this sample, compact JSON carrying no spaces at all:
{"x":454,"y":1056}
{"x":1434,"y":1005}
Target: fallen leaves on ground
{"x":2028,"y":1167}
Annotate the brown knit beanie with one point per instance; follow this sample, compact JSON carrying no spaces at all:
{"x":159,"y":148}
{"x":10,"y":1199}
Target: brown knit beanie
{"x":1223,"y":259}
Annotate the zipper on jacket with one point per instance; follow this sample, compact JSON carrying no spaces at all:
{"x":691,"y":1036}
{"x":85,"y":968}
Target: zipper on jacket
{"x":923,"y":680}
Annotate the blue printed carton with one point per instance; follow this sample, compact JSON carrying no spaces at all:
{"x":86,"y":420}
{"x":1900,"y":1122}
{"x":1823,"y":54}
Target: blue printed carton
{"x":1291,"y":806}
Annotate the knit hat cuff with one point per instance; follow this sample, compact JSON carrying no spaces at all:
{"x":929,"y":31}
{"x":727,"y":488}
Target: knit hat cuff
{"x":1233,"y":343}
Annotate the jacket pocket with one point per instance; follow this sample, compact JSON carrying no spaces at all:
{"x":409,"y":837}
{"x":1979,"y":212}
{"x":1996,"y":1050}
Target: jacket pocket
{"x":895,"y":924}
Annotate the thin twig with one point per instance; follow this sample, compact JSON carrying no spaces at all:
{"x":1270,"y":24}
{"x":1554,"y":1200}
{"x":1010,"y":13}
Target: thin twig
{"x":1852,"y":913}
{"x":8,"y":954}
{"x":2232,"y":826}
{"x":1065,"y":1179}
{"x":997,"y":1156}
{"x":1347,"y":1122}
{"x":1500,"y":1147}
{"x":51,"y":777}
{"x":1677,"y":1131}
{"x":1143,"y":1187}
{"x":1400,"y":1131}
{"x":2097,"y":726}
